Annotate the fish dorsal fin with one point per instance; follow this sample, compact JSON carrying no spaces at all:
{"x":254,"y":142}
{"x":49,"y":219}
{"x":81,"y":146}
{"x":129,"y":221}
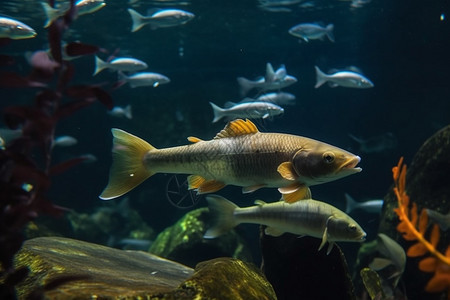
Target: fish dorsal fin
{"x":236,"y":128}
{"x":194,"y":139}
{"x":287,"y":171}
{"x":270,"y":73}
{"x":229,"y":104}
{"x":260,"y":202}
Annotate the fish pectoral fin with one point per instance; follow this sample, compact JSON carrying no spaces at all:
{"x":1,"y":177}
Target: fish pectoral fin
{"x":195,"y":181}
{"x":210,"y":186}
{"x":330,"y":247}
{"x":325,"y":235}
{"x":236,"y":128}
{"x":295,"y":192}
{"x":273,"y":231}
{"x":252,"y":188}
{"x":194,"y":139}
{"x":287,"y":171}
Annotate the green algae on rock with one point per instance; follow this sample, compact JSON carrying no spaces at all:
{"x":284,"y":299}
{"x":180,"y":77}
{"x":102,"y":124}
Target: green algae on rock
{"x":98,"y":271}
{"x":183,"y":242}
{"x":224,"y":278}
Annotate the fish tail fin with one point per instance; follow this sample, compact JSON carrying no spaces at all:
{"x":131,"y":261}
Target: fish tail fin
{"x":99,"y":65}
{"x":128,"y":113}
{"x":218,"y":112}
{"x":321,"y":77}
{"x":330,"y":33}
{"x":350,"y":203}
{"x":245,"y":85}
{"x":136,"y":18}
{"x":127,"y":170}
{"x":223,"y":217}
{"x":51,"y":13}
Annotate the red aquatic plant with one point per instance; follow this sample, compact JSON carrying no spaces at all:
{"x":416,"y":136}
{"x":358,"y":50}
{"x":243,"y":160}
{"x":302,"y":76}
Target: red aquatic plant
{"x":414,"y":228}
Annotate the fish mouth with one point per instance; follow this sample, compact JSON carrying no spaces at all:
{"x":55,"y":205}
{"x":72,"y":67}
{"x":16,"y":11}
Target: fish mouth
{"x":363,"y":236}
{"x":351,"y":164}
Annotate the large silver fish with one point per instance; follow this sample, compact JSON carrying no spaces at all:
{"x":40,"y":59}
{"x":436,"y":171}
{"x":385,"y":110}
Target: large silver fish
{"x":238,"y":155}
{"x":311,"y":31}
{"x":83,"y":7}
{"x":306,"y":217}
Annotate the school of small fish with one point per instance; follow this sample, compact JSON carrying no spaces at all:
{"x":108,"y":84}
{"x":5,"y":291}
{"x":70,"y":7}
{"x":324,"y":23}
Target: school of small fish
{"x":240,"y":154}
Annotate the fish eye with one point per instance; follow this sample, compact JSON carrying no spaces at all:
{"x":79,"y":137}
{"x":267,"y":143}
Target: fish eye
{"x":352,"y":227}
{"x":328,"y":157}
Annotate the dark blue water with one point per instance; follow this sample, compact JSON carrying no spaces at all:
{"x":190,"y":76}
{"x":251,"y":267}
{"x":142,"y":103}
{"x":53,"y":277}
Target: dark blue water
{"x":402,"y":47}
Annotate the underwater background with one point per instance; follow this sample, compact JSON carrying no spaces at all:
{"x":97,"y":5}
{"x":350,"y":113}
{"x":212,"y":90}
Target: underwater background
{"x":402,"y":47}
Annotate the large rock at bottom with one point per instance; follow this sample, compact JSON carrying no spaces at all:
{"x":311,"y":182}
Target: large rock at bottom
{"x":62,"y":268}
{"x":224,"y":278}
{"x":183,"y":242}
{"x":96,"y":270}
{"x":298,"y":271}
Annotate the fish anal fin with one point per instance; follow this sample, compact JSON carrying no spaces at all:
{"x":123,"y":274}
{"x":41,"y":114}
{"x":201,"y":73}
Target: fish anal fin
{"x":195,"y":181}
{"x":194,"y":139}
{"x":236,"y":128}
{"x":210,"y":186}
{"x":330,"y":247}
{"x":273,"y":231}
{"x":252,"y":188}
{"x":287,"y":171}
{"x":294,"y":193}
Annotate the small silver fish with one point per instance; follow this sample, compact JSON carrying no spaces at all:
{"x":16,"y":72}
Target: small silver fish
{"x":273,"y":80}
{"x":126,"y":64}
{"x":16,"y":30}
{"x":83,"y":7}
{"x":376,"y":144}
{"x":305,"y":217}
{"x":160,"y":19}
{"x":64,"y":141}
{"x":250,"y":110}
{"x":393,"y":254}
{"x":442,"y":220}
{"x":342,"y":78}
{"x":310,"y":31}
{"x":371,"y":206}
{"x":121,"y":112}
{"x":144,"y":79}
{"x":280,"y":98}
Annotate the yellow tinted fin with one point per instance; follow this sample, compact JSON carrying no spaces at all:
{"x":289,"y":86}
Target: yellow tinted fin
{"x":303,"y":192}
{"x":288,"y":189}
{"x":195,"y":181}
{"x":287,"y":171}
{"x":194,"y":139}
{"x":127,"y":170}
{"x":252,"y":188}
{"x":236,"y":128}
{"x":210,"y":186}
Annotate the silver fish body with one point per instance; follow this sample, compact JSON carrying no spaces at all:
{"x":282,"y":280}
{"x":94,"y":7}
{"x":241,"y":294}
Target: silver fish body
{"x":310,"y":31}
{"x":343,"y":78}
{"x":16,"y":30}
{"x":144,"y":79}
{"x":126,"y":64}
{"x":305,"y":217}
{"x":160,"y":19}
{"x":250,"y":110}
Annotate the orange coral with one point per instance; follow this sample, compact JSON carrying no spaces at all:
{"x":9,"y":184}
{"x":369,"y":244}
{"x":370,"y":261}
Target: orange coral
{"x":413,"y":228}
